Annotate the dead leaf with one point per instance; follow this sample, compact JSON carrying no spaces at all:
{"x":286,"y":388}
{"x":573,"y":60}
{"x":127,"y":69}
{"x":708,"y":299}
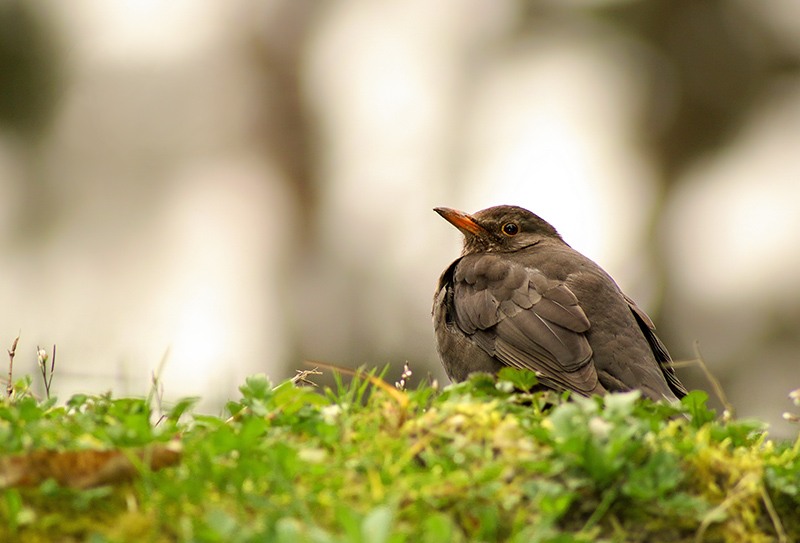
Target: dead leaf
{"x":87,"y":468}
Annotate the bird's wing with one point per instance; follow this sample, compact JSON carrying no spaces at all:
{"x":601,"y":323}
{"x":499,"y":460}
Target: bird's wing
{"x":525,"y":320}
{"x":659,"y":350}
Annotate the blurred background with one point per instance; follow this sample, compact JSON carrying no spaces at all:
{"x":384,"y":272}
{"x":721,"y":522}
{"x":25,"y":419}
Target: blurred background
{"x":237,"y":187}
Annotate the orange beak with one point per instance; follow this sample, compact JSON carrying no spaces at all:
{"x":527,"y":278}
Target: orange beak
{"x":460,"y":220}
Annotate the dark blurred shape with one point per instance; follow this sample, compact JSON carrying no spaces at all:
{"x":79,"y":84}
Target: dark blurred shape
{"x":285,"y":126}
{"x":719,"y":62}
{"x":30,"y":87}
{"x":708,"y":64}
{"x":29,"y":70}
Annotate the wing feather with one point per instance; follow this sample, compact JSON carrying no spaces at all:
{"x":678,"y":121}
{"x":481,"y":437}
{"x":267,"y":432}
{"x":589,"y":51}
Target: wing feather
{"x":659,"y":350}
{"x":524,"y":319}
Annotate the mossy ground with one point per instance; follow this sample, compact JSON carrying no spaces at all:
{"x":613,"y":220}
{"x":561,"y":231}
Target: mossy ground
{"x":472,"y":462}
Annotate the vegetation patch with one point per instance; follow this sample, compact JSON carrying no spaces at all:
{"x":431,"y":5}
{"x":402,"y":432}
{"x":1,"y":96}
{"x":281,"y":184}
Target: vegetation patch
{"x":476,"y":461}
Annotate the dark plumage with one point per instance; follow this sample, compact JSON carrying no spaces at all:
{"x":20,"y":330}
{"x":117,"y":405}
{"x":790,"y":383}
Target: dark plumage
{"x":520,"y":296}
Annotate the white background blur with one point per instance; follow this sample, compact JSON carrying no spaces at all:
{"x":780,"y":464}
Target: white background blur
{"x":238,"y":186}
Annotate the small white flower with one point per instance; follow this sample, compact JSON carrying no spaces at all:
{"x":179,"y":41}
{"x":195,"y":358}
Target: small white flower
{"x":457,"y":421}
{"x":599,"y":427}
{"x":330,"y":412}
{"x":504,"y":386}
{"x":312,"y":455}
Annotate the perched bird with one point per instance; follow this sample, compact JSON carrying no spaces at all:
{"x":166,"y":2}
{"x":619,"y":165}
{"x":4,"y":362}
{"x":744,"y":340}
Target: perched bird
{"x":520,"y":296}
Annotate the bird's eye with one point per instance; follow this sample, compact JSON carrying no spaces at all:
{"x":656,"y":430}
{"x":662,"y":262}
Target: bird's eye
{"x":510,"y":229}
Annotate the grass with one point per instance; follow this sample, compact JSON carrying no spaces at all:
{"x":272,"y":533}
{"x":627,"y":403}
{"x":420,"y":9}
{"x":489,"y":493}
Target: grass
{"x":359,"y":463}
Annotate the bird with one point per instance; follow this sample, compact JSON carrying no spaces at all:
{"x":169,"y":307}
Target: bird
{"x":520,"y":296}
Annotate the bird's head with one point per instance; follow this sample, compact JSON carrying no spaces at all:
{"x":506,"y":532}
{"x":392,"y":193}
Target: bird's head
{"x":499,"y":229}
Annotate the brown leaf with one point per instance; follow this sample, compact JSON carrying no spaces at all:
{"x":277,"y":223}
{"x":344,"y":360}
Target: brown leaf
{"x":87,"y":468}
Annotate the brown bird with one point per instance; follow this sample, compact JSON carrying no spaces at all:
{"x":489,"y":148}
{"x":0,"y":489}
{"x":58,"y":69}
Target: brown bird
{"x":520,"y":296}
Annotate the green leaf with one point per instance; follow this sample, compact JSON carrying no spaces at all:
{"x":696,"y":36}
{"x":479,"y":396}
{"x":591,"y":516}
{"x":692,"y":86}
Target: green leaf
{"x":377,"y":525}
{"x":523,"y":380}
{"x":438,"y":528}
{"x":256,"y":387}
{"x":181,"y":407}
{"x":695,"y":403}
{"x":223,"y":525}
{"x":619,"y":405}
{"x":658,"y":476}
{"x":349,"y":522}
{"x":13,"y":508}
{"x":289,"y":530}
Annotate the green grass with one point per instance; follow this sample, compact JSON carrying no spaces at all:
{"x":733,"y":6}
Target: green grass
{"x":472,"y":462}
